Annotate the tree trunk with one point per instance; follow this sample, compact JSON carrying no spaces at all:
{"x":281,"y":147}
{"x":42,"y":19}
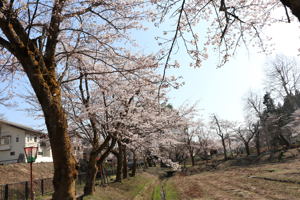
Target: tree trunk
{"x":247,"y":148}
{"x":92,"y":170}
{"x":192,"y":157}
{"x":257,"y":143}
{"x":40,"y":69}
{"x":224,"y":149}
{"x":107,"y":151}
{"x":64,"y":162}
{"x":133,"y":171}
{"x":145,"y":162}
{"x":119,"y":163}
{"x":93,"y":166}
{"x":48,"y":93}
{"x":125,"y":165}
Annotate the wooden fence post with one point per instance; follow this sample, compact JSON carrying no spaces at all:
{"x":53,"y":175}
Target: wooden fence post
{"x":26,"y":191}
{"x":6,"y":192}
{"x":42,"y":187}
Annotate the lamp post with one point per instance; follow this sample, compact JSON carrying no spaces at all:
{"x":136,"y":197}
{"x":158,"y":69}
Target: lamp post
{"x":31,"y":154}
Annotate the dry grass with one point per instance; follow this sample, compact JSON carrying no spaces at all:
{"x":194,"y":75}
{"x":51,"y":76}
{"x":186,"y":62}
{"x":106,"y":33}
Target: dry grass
{"x":236,"y":183}
{"x":20,"y":172}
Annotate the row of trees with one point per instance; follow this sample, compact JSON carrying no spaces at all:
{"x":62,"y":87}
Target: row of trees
{"x":120,"y":113}
{"x":271,"y":122}
{"x":274,"y":112}
{"x":86,"y":82}
{"x":64,"y":46}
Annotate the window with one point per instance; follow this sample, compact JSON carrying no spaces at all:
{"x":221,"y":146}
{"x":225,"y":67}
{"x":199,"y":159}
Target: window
{"x":35,"y":139}
{"x":40,"y":153}
{"x":5,"y":140}
{"x":12,"y":153}
{"x":17,"y":139}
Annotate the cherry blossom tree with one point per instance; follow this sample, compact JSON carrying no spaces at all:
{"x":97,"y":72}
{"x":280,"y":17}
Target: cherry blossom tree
{"x":98,"y":110}
{"x":41,"y":37}
{"x":245,"y":134}
{"x":229,"y":24}
{"x":283,"y":77}
{"x":222,"y":128}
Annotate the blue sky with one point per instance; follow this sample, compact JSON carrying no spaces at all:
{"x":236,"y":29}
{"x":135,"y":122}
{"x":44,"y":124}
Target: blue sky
{"x":222,"y":90}
{"x":218,"y":90}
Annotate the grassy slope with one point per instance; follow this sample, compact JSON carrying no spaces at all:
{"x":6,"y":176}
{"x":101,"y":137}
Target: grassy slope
{"x":238,"y":183}
{"x":234,"y":183}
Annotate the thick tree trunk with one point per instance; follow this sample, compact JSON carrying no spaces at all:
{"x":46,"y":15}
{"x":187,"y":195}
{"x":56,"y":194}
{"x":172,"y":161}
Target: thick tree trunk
{"x":92,"y":170}
{"x":224,"y":149}
{"x":125,"y":165}
{"x":48,"y":92}
{"x":133,"y":170}
{"x":64,"y":163}
{"x":40,"y":68}
{"x":94,"y":165}
{"x":119,"y":163}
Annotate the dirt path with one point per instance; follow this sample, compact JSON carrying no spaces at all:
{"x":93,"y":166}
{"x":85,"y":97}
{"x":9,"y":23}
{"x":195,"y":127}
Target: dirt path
{"x":161,"y":187}
{"x":146,"y":192}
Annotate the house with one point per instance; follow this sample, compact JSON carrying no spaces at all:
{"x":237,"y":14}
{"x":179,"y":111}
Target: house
{"x":14,"y":137}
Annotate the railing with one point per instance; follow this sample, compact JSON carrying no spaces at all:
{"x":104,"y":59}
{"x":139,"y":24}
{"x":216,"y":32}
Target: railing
{"x":20,"y":191}
{"x":41,"y":187}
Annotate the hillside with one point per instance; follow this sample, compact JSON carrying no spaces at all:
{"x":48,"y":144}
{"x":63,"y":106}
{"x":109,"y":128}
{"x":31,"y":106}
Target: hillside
{"x":19,"y":172}
{"x":230,"y":180}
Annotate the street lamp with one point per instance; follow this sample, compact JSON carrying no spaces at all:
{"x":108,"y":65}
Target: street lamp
{"x":31,"y":154}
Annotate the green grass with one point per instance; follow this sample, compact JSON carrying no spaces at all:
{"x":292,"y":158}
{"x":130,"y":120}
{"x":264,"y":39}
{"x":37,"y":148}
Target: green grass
{"x":156,"y":193}
{"x":144,"y":186}
{"x":127,"y":190}
{"x":170,"y":191}
{"x":48,"y":196}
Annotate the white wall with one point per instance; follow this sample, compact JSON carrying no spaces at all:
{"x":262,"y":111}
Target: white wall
{"x":14,"y":146}
{"x":26,"y":139}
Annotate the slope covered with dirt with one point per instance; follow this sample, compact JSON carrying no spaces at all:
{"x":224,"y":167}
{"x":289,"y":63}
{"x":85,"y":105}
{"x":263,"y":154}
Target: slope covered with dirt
{"x":20,"y":172}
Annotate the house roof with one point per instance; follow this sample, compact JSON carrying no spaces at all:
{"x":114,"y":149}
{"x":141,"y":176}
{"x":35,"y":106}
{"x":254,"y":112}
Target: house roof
{"x":20,"y":126}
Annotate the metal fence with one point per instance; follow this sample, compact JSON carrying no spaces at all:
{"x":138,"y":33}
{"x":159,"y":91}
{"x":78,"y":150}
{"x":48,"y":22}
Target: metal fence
{"x":41,"y":187}
{"x":19,"y":191}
